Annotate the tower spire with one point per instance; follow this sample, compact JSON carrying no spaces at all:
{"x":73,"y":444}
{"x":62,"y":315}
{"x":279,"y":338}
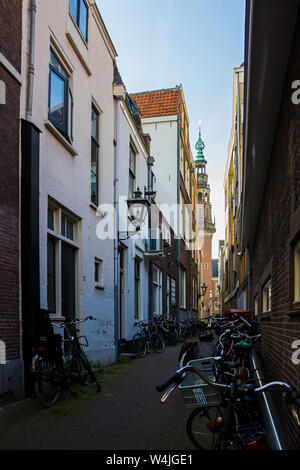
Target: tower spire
{"x":200,"y":146}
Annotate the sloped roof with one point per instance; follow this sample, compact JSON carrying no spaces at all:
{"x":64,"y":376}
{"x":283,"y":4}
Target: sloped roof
{"x":158,"y":102}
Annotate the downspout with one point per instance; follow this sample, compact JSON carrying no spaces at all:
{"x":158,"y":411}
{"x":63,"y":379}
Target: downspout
{"x":249,"y":279}
{"x":178,"y":216}
{"x":30,"y":82}
{"x":274,"y":429}
{"x":150,"y":161}
{"x":116,"y":238}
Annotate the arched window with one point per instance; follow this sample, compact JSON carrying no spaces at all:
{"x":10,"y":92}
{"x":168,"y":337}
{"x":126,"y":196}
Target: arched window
{"x":200,"y":197}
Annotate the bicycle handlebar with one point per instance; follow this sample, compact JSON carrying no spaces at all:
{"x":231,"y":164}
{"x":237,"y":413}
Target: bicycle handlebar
{"x":293,"y":397}
{"x":74,"y":322}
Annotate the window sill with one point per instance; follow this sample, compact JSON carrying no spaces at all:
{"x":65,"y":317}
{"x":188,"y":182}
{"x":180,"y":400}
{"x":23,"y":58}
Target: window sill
{"x":93,"y":206}
{"x":265,"y":316}
{"x":60,"y":138}
{"x":55,"y":317}
{"x":294,"y":313}
{"x":99,"y":286}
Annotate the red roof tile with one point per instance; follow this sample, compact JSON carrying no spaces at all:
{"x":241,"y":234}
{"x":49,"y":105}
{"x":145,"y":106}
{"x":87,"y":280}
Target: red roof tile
{"x":158,"y":103}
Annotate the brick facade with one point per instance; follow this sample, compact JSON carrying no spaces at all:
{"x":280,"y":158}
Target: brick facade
{"x":272,"y":256}
{"x":10,"y":48}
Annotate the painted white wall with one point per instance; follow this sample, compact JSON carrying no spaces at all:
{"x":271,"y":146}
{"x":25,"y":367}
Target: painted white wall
{"x":67,"y":178}
{"x":163,"y":132}
{"x":134,"y":246}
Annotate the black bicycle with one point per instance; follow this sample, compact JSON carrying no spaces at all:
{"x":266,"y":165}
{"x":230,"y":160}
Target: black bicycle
{"x":229,"y":421}
{"x":146,"y":339}
{"x":53,"y":368}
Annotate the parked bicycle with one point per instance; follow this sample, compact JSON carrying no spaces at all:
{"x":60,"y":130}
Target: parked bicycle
{"x":53,"y":369}
{"x":146,"y":339}
{"x":225,"y":416}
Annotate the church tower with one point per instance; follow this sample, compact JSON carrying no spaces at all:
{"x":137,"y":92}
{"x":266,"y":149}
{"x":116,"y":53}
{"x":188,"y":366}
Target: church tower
{"x":207,"y":226}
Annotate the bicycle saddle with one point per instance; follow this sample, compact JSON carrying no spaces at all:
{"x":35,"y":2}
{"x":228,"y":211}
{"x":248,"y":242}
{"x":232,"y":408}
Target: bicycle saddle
{"x":242,"y":346}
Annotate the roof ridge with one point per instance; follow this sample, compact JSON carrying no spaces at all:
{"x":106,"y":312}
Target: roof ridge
{"x":176,"y":88}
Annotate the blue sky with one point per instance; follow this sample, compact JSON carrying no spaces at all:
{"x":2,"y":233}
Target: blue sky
{"x":162,"y":43}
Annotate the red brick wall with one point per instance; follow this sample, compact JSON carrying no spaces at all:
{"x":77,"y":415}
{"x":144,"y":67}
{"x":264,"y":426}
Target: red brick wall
{"x":10,"y":47}
{"x":273,"y":254}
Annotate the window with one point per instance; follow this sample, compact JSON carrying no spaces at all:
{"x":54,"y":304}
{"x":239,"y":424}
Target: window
{"x":195,"y":294}
{"x":60,"y":97}
{"x":99,"y":278}
{"x":95,"y":157}
{"x":67,"y":228}
{"x":173,"y":291}
{"x":132,"y":171}
{"x":157,"y":291}
{"x":50,"y":219}
{"x":297,"y":272}
{"x":137,"y":293}
{"x":168,"y":295}
{"x":79,"y":11}
{"x":183,"y":288}
{"x":267,"y":297}
{"x":205,"y":266}
{"x":256,"y":305}
{"x":62,"y":258}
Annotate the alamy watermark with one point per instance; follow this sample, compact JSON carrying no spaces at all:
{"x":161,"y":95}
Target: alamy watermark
{"x":296,"y":354}
{"x":2,"y":352}
{"x":296,"y":93}
{"x":2,"y":92}
{"x":136,"y":222}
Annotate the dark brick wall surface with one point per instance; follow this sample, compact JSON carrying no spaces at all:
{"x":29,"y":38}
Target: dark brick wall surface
{"x":272,"y":254}
{"x":10,"y":47}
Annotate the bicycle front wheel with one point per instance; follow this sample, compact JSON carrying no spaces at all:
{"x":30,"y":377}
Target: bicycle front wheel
{"x":157,"y":342}
{"x":203,"y":427}
{"x":139,"y":345}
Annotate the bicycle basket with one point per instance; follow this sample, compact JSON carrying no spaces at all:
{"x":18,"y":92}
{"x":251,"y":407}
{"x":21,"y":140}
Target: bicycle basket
{"x":196,"y":392}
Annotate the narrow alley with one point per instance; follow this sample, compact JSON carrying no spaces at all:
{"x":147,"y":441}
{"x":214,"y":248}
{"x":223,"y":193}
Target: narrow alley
{"x":127,"y":414}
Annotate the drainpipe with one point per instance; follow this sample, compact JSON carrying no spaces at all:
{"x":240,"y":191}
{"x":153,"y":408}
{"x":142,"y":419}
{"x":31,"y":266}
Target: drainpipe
{"x":32,"y":14}
{"x":178,"y":216}
{"x":150,"y":162}
{"x":249,"y":278}
{"x":116,"y":212}
{"x":272,"y":424}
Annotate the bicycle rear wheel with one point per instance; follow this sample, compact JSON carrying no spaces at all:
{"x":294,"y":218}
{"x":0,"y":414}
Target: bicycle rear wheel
{"x":47,"y":389}
{"x":157,"y":342}
{"x":139,"y":345}
{"x":85,"y":371}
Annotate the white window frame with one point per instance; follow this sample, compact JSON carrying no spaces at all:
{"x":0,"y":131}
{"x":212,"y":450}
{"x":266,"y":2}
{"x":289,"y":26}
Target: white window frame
{"x":100,"y":269}
{"x":59,"y":211}
{"x":267,"y":296}
{"x":173,"y":291}
{"x":157,"y":290}
{"x":182,"y":288}
{"x":168,"y":294}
